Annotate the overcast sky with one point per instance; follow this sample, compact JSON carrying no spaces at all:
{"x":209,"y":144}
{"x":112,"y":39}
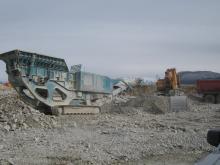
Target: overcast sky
{"x":116,"y":37}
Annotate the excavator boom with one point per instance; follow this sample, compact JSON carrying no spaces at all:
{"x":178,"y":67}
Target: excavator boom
{"x":170,"y":82}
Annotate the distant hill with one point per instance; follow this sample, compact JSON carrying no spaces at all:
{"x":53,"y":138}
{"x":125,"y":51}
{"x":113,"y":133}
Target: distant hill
{"x":188,"y":77}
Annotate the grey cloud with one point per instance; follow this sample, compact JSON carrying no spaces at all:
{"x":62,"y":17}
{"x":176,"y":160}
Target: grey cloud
{"x":118,"y":37}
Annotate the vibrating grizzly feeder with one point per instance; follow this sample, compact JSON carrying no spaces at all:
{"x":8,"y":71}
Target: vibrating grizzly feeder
{"x":46,"y":83}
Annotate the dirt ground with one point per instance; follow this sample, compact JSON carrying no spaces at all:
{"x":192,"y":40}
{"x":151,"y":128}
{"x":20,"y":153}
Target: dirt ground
{"x":142,"y":131}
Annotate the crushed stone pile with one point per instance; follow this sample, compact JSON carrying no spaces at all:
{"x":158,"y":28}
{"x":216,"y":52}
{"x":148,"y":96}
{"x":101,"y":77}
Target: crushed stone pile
{"x":196,"y":104}
{"x":125,"y":133}
{"x":149,"y":104}
{"x":15,"y":114}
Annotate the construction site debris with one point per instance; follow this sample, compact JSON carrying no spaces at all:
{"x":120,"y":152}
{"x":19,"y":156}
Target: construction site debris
{"x":136,"y":131}
{"x":130,"y":104}
{"x":14,"y":114}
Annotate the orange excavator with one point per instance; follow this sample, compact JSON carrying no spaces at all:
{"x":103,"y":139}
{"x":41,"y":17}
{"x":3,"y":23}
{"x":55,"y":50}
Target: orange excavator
{"x":170,"y":86}
{"x":170,"y":83}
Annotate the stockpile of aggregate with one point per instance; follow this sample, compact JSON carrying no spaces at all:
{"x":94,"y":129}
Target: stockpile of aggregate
{"x":149,"y":104}
{"x":15,"y":114}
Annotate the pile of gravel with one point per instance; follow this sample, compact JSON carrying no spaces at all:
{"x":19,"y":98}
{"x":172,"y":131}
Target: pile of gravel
{"x":15,"y":114}
{"x":196,"y":104}
{"x":156,"y":104}
{"x":148,"y":104}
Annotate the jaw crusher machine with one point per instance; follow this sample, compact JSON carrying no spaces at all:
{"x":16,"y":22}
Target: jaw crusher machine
{"x":47,"y":84}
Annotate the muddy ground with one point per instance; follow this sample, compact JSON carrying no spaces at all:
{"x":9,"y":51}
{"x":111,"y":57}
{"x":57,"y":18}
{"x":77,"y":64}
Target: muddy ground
{"x":141,"y":131}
